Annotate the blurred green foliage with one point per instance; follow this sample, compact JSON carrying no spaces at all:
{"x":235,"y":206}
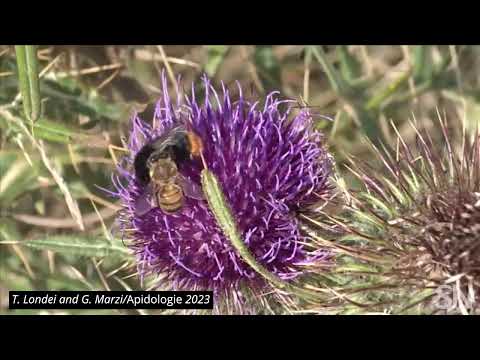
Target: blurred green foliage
{"x":89,"y":92}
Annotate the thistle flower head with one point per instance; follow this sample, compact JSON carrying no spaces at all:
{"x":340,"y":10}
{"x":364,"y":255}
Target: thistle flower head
{"x":270,"y":164}
{"x":423,"y":218}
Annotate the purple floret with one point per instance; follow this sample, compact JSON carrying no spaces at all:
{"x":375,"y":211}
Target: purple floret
{"x":270,"y":163}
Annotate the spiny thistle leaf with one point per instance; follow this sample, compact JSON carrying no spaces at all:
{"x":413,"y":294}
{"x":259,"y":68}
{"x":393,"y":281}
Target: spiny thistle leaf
{"x":75,"y":245}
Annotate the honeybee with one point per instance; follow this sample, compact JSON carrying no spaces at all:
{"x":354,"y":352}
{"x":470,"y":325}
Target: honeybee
{"x":156,"y":168}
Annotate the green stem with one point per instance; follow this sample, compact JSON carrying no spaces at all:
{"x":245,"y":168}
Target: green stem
{"x":420,"y":66}
{"x":333,"y":77}
{"x":223,"y":215}
{"x":29,"y":80}
{"x":377,"y":100}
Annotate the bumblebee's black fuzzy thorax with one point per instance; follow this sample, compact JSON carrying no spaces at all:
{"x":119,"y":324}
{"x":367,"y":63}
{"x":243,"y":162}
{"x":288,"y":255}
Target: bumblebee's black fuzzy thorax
{"x":180,"y":148}
{"x":177,"y":147}
{"x":140,"y":164}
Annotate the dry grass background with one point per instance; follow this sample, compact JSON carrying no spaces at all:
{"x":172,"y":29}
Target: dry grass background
{"x":89,"y":93}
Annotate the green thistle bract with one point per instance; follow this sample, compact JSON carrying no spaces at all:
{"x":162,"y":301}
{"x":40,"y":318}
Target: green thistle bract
{"x":422,"y":221}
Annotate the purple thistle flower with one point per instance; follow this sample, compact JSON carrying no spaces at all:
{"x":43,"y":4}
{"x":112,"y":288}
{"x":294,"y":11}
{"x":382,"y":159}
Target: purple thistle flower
{"x":270,"y":165}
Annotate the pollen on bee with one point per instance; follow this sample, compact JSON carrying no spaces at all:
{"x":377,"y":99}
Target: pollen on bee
{"x":196,"y":144}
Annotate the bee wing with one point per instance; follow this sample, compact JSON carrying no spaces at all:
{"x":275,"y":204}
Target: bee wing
{"x":167,"y":138}
{"x":146,"y":201}
{"x":189,"y":188}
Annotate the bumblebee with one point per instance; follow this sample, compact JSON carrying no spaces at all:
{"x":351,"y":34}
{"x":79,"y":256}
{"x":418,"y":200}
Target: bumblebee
{"x":156,"y":168}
